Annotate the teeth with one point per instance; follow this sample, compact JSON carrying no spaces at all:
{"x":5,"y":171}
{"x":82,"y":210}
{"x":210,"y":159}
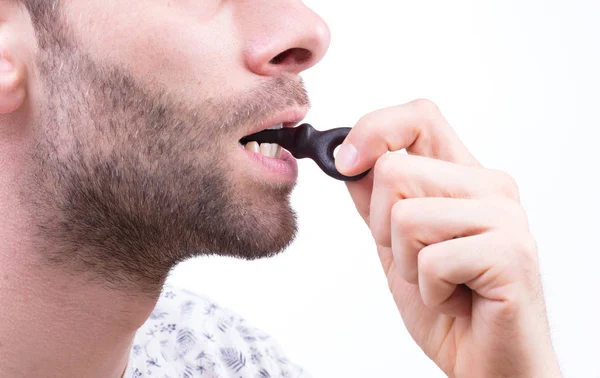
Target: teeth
{"x":271,"y":150}
{"x":253,"y":147}
{"x":265,"y":149}
{"x":276,"y":127}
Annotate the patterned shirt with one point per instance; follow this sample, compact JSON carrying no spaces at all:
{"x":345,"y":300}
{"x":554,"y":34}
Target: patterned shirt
{"x":188,"y":336}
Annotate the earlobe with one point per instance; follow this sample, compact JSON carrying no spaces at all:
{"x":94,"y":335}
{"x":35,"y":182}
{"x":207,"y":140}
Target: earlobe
{"x":12,"y":83}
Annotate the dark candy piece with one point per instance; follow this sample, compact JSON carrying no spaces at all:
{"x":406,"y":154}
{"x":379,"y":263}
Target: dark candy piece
{"x":306,"y":142}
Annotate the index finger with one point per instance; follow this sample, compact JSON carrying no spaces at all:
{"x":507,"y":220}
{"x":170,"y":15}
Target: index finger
{"x":419,"y":127}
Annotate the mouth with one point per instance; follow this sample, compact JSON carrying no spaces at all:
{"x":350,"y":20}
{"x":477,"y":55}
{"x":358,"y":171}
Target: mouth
{"x":270,"y":160}
{"x":287,"y":119}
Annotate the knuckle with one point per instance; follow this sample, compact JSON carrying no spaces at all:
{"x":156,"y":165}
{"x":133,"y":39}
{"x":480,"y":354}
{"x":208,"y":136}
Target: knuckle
{"x":516,"y":217}
{"x":506,"y":184}
{"x":521,"y":215}
{"x":427,"y":262}
{"x":507,"y":312}
{"x":428,"y":110}
{"x":386,"y":167}
{"x":528,"y":247}
{"x":367,"y":121}
{"x":403,"y":219}
{"x":393,"y":167}
{"x":383,"y":165}
{"x":426,"y":106}
{"x":523,"y":258}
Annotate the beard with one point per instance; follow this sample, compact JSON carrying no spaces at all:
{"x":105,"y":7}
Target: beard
{"x":127,"y":181}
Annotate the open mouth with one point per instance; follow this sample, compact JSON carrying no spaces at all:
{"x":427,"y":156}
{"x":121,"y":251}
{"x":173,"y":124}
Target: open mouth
{"x":267,"y":152}
{"x":283,"y":142}
{"x":272,"y":150}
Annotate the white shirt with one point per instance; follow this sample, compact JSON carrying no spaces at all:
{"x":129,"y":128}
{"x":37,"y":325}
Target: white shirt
{"x":189,"y":336}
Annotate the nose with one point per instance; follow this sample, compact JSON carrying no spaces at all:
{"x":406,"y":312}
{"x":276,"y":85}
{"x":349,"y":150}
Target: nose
{"x":282,"y":37}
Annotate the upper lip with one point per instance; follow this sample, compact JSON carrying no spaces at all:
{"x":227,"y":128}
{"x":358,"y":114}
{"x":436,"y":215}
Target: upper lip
{"x":289,"y":118}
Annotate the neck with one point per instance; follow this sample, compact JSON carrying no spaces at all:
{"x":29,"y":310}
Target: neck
{"x":57,"y":322}
{"x":54,"y":324}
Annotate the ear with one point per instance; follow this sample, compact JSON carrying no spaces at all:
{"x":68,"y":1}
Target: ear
{"x":12,"y":83}
{"x":15,"y":45}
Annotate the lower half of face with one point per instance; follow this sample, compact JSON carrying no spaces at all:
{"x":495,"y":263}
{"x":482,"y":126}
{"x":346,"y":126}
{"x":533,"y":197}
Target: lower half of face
{"x":130,"y":180}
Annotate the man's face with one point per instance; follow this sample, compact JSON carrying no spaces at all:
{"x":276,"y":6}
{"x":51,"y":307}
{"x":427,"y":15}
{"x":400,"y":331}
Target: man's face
{"x":139,"y":109}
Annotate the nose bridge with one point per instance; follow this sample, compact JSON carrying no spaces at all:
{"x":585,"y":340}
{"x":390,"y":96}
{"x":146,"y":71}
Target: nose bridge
{"x":281,"y":36}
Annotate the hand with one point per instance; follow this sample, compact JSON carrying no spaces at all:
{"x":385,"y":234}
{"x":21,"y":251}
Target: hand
{"x":454,"y":242}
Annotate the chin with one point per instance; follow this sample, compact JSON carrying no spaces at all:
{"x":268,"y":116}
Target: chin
{"x":261,"y":224}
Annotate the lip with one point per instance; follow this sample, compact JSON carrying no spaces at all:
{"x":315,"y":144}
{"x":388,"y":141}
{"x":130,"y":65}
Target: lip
{"x":272,"y":169}
{"x":284,"y":169}
{"x":289,"y":118}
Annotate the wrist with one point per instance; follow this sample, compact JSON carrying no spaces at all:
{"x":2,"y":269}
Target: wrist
{"x":542,"y":364}
{"x":547,"y":367}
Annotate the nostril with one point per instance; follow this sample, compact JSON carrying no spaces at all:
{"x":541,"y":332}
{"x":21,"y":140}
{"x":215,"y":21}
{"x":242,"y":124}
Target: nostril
{"x":296,"y":55}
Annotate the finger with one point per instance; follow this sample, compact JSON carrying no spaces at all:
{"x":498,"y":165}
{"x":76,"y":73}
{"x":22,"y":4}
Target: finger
{"x":361,"y":192}
{"x":417,"y":126}
{"x":418,"y":223}
{"x":493,"y":265}
{"x":398,"y":177}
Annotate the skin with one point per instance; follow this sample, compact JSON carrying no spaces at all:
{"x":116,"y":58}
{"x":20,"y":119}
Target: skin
{"x":155,"y":95}
{"x":454,"y":244}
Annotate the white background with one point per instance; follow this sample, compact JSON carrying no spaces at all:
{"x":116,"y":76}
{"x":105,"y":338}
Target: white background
{"x":520,"y":82}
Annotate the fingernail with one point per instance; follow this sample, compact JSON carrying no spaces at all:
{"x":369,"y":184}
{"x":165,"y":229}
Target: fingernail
{"x":346,"y":158}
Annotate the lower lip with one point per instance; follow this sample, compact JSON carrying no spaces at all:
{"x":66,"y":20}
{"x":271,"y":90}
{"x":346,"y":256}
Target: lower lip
{"x":285,"y":169}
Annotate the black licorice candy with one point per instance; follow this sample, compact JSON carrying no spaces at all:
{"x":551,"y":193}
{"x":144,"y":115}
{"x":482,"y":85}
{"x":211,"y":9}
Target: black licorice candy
{"x":306,"y":142}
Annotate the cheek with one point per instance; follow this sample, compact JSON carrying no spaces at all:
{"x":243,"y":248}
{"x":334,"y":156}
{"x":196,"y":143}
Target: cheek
{"x":168,"y":46}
